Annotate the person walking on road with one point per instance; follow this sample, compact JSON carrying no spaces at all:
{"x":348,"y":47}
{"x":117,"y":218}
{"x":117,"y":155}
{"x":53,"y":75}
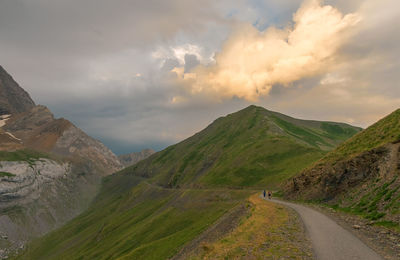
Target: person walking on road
{"x":269,"y":194}
{"x":264,"y":194}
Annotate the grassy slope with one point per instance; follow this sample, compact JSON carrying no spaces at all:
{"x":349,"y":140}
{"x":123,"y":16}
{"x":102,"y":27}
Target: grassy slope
{"x":378,"y":199}
{"x":22,"y":155}
{"x":133,"y":217}
{"x":266,"y":233}
{"x":251,"y":148}
{"x":382,"y":132}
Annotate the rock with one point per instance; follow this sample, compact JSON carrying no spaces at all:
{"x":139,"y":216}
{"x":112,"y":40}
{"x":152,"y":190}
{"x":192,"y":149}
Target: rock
{"x":356,"y":226}
{"x":13,"y":99}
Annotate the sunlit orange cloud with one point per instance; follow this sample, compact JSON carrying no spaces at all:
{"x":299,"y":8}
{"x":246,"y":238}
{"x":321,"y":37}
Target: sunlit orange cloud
{"x":251,"y":62}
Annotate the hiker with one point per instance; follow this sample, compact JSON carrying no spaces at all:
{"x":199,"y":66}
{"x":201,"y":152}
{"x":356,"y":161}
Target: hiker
{"x":269,"y":194}
{"x":264,"y":194}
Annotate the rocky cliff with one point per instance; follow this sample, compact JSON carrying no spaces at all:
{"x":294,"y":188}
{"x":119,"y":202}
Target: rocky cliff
{"x":50,"y":170}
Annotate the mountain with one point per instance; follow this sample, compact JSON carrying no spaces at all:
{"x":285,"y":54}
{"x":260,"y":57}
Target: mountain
{"x":50,"y":170}
{"x":13,"y":99}
{"x":360,"y":176}
{"x":133,"y":158}
{"x":153,"y":208}
{"x":254,"y":147}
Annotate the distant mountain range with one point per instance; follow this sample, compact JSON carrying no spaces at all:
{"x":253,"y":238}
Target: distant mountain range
{"x":133,"y":158}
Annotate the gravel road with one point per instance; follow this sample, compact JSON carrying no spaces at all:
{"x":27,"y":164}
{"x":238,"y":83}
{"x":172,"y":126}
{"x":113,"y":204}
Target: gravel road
{"x":330,"y":241}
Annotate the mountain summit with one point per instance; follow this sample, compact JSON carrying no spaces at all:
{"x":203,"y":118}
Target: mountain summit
{"x":13,"y":98}
{"x":252,"y":147}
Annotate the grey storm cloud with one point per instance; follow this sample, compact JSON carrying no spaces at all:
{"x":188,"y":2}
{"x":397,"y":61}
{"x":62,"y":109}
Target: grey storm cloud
{"x":106,"y":65}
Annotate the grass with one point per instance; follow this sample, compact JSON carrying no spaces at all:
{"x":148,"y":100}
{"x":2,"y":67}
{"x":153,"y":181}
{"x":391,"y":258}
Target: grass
{"x":22,"y":155}
{"x":152,"y":209}
{"x":265,"y":233}
{"x":382,"y":132}
{"x":374,"y":199}
{"x":243,"y":149}
{"x":375,"y":203}
{"x":143,"y":221}
{"x":6,"y":174}
{"x":389,"y":224}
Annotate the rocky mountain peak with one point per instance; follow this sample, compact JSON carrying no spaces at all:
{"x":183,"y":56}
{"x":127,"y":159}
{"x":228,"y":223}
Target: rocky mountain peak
{"x":13,"y":98}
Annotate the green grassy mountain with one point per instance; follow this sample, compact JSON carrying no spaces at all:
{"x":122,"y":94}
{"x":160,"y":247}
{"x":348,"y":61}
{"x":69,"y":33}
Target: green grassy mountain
{"x":152,"y":209}
{"x":360,"y":176}
{"x":250,"y":148}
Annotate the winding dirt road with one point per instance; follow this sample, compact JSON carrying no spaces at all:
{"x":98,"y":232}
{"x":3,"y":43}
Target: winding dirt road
{"x":330,"y":241}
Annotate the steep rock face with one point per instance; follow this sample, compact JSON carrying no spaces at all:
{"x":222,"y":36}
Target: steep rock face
{"x":26,"y":179}
{"x":13,"y":99}
{"x":39,"y":195}
{"x":133,"y":158}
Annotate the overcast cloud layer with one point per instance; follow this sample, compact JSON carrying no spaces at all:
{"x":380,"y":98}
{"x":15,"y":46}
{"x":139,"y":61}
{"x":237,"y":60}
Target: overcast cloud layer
{"x":139,"y":74}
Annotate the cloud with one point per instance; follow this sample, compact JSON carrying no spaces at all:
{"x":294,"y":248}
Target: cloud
{"x":251,"y":62}
{"x":83,"y":60}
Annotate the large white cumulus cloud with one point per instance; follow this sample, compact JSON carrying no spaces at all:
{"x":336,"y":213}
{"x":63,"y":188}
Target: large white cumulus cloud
{"x":251,"y":62}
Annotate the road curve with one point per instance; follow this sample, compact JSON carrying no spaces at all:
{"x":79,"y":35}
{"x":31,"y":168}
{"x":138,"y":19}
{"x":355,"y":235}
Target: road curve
{"x":330,"y":241}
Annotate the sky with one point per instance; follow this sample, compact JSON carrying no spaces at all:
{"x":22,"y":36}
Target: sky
{"x":147,"y":74}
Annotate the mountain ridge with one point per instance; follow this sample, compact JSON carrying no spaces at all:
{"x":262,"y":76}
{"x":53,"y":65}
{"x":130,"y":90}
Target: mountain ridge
{"x":254,"y":132}
{"x":153,"y":208}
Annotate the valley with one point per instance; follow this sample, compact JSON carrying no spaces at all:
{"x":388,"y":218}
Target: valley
{"x":155,"y":208}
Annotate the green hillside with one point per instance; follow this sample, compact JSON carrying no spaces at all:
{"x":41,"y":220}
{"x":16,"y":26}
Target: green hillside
{"x":382,"y":132}
{"x":132,"y":219}
{"x":360,"y":176}
{"x":251,"y":148}
{"x":152,"y":209}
